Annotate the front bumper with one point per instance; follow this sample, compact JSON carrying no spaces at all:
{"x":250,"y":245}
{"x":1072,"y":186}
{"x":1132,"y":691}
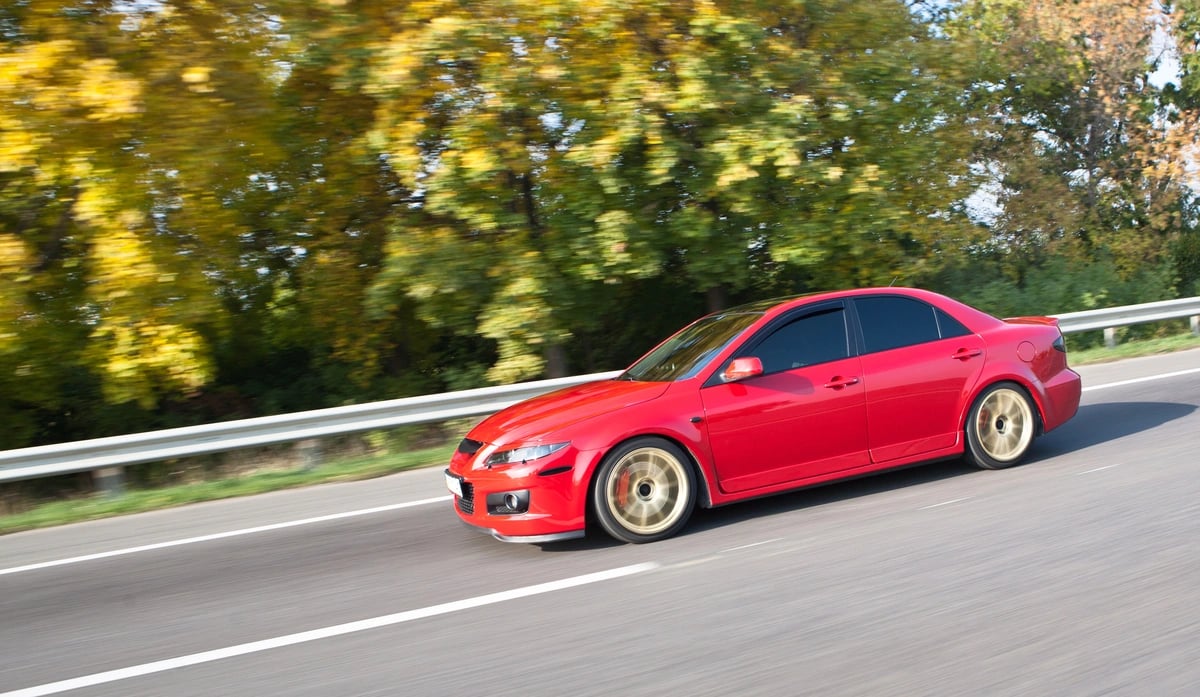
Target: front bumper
{"x":553,"y":492}
{"x":529,"y":539}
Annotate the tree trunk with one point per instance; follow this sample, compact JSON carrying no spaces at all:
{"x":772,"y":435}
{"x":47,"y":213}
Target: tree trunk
{"x":556,"y":361}
{"x":716,"y":298}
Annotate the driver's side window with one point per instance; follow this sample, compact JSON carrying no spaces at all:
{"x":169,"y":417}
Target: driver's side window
{"x":813,"y":338}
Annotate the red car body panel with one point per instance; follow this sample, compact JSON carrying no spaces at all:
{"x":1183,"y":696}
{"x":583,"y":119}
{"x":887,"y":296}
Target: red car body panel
{"x":914,"y":394}
{"x":786,"y":426}
{"x":525,"y":422}
{"x":776,"y":432}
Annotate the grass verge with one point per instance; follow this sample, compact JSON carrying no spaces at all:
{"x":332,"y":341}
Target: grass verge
{"x":138,"y":501}
{"x":1133,"y":349}
{"x":77,"y":510}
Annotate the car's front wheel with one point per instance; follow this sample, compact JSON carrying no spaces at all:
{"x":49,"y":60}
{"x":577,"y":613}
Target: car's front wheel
{"x":644,"y":491}
{"x":1000,"y":427}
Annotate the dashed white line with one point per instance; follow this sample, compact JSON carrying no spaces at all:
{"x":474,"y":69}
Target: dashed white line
{"x":752,"y":544}
{"x":943,"y":503}
{"x":325,"y":632}
{"x":223,"y":535}
{"x":1099,"y":469}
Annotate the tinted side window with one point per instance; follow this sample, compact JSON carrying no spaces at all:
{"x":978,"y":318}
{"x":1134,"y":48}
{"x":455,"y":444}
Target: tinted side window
{"x":892,"y":322}
{"x":949,"y":326}
{"x":811,"y":339}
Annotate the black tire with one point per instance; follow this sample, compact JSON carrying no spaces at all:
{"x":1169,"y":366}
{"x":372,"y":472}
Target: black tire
{"x":1000,"y":427}
{"x":644,"y":490}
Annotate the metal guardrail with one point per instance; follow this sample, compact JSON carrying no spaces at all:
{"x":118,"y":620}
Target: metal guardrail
{"x":106,"y":456}
{"x":115,"y":451}
{"x":1110,"y":318}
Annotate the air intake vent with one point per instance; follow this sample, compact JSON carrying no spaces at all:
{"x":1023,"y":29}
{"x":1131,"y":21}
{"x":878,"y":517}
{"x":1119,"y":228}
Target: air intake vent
{"x":466,"y":504}
{"x":469,"y":447}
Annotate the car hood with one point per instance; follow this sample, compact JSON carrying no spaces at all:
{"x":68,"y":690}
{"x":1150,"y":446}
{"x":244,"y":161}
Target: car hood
{"x":537,"y":419}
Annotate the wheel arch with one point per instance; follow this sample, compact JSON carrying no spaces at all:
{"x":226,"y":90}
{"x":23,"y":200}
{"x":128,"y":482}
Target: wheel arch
{"x":703,"y":494}
{"x":986,"y":383}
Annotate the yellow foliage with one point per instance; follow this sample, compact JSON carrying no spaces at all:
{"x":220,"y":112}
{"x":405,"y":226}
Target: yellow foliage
{"x":121,"y":264}
{"x":865,"y":181}
{"x":196,"y":77}
{"x":18,"y":146}
{"x":14,"y":257}
{"x":105,"y":93}
{"x":737,"y":171}
{"x":140,"y":357}
{"x":476,"y":162}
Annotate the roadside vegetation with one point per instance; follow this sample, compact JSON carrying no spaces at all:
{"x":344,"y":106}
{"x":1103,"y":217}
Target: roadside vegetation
{"x":90,"y":507}
{"x":1133,"y":349}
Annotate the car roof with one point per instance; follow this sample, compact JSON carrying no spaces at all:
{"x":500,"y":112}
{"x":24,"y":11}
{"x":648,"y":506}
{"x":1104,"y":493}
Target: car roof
{"x":786,"y":302}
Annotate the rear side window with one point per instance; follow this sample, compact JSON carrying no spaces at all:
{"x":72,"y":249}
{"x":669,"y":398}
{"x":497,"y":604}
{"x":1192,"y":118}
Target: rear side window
{"x":892,"y":322}
{"x":814,"y":338}
{"x":948,"y":326}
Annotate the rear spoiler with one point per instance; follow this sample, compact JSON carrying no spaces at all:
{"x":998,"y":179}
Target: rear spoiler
{"x":1044,"y":321}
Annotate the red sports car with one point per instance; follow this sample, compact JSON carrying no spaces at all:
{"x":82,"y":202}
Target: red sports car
{"x":763,"y":398}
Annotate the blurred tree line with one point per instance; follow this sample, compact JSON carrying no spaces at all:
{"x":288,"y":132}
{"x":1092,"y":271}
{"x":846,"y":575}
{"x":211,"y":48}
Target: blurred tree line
{"x":221,"y":209}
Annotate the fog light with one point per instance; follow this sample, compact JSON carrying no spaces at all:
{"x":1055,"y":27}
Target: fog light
{"x":508,"y":502}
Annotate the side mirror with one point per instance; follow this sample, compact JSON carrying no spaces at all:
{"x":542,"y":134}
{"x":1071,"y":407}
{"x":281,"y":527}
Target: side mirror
{"x":742,"y":368}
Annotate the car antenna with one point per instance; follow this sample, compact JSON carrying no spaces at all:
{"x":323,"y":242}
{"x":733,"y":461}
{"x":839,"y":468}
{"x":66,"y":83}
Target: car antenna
{"x":894,"y":279}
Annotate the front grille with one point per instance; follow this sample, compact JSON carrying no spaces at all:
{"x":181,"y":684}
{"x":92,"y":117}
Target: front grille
{"x":466,"y":503}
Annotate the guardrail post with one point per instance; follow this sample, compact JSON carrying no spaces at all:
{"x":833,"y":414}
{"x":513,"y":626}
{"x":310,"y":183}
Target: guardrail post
{"x":1110,"y":336}
{"x":310,"y":453}
{"x":110,"y":481}
{"x":1195,"y":322}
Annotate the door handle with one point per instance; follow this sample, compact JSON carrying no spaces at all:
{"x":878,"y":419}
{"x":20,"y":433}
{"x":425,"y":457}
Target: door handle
{"x":964,"y":354}
{"x":839,"y":382}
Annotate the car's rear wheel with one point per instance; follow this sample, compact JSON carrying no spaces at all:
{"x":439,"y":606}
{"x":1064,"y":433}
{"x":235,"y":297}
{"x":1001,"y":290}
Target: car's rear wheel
{"x":644,"y":491}
{"x":1000,"y":427}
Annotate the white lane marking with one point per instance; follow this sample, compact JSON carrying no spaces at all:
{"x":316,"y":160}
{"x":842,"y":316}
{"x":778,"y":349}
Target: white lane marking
{"x":1099,"y":469}
{"x":680,"y":565}
{"x":326,"y":632}
{"x":943,"y":503}
{"x":223,"y":535}
{"x":1134,"y":381}
{"x":752,"y":544}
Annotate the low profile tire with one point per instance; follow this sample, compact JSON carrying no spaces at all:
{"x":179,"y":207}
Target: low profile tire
{"x":1000,"y":427}
{"x":644,"y":491}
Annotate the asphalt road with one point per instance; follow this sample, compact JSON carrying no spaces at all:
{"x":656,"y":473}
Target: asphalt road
{"x":1077,"y":573}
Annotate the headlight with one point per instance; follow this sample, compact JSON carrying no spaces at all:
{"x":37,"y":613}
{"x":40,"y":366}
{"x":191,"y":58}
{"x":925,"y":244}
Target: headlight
{"x":524,"y":454}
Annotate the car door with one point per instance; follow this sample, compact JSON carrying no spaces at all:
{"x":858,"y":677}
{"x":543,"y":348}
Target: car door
{"x":919,"y":365}
{"x":803,"y":417}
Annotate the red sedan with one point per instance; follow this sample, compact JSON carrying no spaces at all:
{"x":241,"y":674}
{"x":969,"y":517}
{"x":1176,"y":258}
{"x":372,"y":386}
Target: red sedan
{"x":764,"y":398}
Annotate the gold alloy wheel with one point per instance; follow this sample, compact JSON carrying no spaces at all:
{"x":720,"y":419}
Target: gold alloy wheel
{"x":1004,"y":425}
{"x":647,"y":491}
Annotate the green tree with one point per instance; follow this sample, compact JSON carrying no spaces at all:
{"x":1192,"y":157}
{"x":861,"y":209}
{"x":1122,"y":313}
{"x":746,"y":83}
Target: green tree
{"x":1091,"y":154}
{"x":556,"y":147}
{"x":185,"y":198}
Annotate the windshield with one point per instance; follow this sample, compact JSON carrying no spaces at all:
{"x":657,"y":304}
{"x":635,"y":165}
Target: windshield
{"x":685,"y":354}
